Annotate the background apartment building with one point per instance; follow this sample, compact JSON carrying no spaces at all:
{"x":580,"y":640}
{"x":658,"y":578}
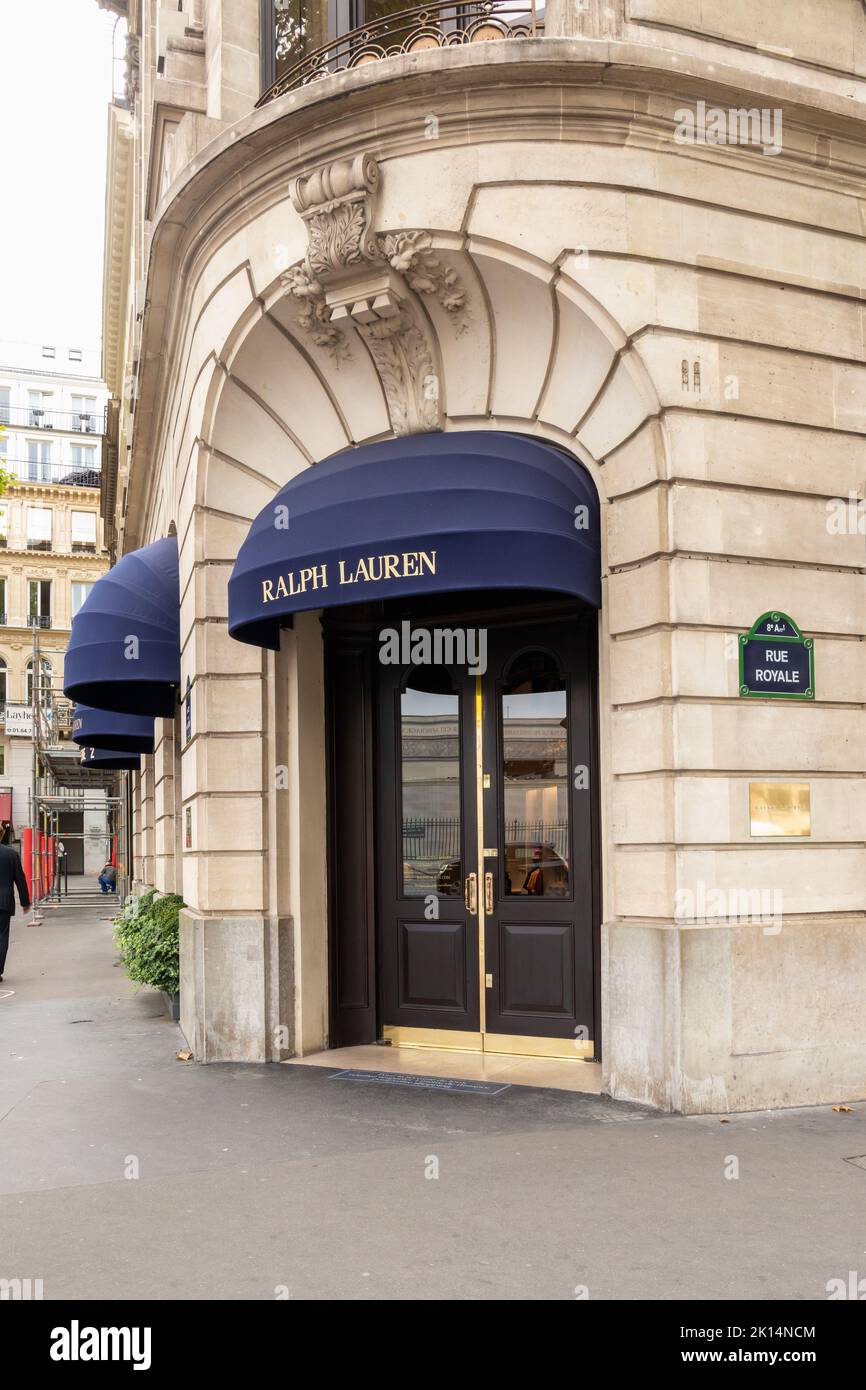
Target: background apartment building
{"x":52,"y":409}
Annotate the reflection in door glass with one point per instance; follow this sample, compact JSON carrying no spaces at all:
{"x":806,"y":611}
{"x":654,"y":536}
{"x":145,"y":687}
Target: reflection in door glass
{"x":430,"y":778}
{"x":535,"y":778}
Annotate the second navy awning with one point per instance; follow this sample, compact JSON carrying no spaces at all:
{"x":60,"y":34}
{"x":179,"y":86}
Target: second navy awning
{"x":101,"y":728}
{"x":124,"y":650}
{"x":429,"y":513}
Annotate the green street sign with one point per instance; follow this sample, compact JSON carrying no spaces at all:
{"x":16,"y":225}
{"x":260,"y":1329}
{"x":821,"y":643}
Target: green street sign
{"x":776,"y":661}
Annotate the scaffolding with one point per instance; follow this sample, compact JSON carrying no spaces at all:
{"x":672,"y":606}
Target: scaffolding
{"x":57,"y":771}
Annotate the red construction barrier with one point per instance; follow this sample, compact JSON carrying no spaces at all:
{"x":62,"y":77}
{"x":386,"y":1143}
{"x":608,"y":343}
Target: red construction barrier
{"x":27,"y":856}
{"x":43,"y":864}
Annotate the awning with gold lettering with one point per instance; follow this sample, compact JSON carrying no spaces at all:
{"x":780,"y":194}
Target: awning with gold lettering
{"x":430,"y":513}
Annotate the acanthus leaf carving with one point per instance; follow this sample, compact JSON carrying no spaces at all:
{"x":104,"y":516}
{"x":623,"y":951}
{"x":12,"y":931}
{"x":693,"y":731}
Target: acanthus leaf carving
{"x":351,"y":273}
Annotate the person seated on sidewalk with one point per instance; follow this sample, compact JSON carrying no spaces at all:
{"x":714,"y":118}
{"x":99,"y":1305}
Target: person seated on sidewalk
{"x":108,"y":878}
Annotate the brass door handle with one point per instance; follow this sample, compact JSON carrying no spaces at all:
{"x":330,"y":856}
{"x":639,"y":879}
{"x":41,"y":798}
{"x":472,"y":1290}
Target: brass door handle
{"x":470,"y":893}
{"x":488,"y":892}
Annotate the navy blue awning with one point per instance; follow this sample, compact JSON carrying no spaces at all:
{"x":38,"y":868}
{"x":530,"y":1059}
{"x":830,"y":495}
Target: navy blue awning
{"x":102,"y":728}
{"x":124,"y":651}
{"x":110,"y":759}
{"x":429,"y":513}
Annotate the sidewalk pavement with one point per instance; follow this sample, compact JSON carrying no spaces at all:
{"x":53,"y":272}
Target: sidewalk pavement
{"x":126,"y":1173}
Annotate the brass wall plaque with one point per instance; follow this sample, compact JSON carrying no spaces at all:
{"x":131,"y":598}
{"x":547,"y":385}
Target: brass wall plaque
{"x":780,"y":808}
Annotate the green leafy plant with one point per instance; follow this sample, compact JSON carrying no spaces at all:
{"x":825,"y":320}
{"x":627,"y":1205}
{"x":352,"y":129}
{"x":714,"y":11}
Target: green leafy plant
{"x":148,"y":939}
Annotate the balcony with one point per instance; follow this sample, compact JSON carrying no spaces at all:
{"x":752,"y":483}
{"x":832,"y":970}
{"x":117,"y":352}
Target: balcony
{"x":84,"y":547}
{"x":39,"y":620}
{"x":52,"y":474}
{"x":45,"y":418}
{"x":38,"y":545}
{"x":438,"y":25}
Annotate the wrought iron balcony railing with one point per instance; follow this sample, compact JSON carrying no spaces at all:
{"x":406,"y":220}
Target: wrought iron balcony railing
{"x":28,"y":417}
{"x":438,"y":25}
{"x":39,"y":620}
{"x":48,"y":472}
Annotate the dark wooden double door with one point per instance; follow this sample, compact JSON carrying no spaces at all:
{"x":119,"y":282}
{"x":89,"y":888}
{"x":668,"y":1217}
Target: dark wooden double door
{"x":485,"y":884}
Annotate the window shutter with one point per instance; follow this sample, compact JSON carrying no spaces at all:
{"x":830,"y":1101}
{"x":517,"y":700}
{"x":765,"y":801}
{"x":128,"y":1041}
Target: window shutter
{"x":84,"y":527}
{"x":39,"y":524}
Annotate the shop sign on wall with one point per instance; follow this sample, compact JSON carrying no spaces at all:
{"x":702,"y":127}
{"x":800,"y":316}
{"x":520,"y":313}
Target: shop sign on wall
{"x":776,"y":661}
{"x":780,"y":808}
{"x":19,"y":720}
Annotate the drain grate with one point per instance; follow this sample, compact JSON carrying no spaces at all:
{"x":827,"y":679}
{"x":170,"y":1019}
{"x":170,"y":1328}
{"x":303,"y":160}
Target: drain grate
{"x":423,"y":1083}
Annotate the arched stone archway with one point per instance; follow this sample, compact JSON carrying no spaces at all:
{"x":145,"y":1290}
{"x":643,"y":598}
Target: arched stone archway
{"x":514,"y":341}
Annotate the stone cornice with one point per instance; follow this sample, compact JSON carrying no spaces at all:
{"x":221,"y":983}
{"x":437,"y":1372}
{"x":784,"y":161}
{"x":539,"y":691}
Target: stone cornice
{"x":118,"y":225}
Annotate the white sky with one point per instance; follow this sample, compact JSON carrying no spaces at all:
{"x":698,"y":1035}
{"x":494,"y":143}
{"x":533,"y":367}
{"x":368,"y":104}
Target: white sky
{"x":55,"y":86}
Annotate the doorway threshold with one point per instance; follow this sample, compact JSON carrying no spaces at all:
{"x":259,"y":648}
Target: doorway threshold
{"x":553,"y":1073}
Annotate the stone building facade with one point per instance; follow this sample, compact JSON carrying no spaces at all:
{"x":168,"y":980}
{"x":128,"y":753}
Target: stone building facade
{"x":634,"y":232}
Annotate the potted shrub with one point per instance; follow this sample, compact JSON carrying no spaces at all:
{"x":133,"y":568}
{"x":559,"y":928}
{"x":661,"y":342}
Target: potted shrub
{"x":148,"y":939}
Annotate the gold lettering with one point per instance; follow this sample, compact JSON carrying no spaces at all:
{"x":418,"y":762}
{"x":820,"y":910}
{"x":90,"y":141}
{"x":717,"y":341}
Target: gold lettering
{"x":428,"y":558}
{"x":320,"y":576}
{"x":362,"y":569}
{"x":410,"y":556}
{"x":267,"y":591}
{"x":391,"y":566}
{"x":375,"y":564}
{"x":344,"y":578}
{"x":306,"y":574}
{"x":281,"y":587}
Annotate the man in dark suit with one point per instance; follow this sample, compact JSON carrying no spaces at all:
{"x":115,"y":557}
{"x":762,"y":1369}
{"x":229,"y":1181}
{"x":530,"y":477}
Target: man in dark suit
{"x":11,"y":877}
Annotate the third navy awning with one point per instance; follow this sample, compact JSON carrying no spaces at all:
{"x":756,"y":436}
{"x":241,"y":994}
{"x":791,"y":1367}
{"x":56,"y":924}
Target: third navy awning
{"x":110,"y":760}
{"x":101,"y":728}
{"x":426,"y":514}
{"x":124,"y":651}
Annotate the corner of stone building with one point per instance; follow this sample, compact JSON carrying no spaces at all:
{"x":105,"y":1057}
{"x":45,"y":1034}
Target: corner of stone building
{"x":237,"y":987}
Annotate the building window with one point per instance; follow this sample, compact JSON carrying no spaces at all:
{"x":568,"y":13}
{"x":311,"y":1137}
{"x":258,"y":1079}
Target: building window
{"x":3,"y":608}
{"x":3,"y":675}
{"x":3,"y":746}
{"x":80,"y":592}
{"x":84,"y":414}
{"x":39,"y":409}
{"x":39,"y":611}
{"x":5,"y":401}
{"x":83,"y":455}
{"x":45,"y":682}
{"x":4,"y":529}
{"x":84,"y":533}
{"x":38,"y":528}
{"x":38,"y":461}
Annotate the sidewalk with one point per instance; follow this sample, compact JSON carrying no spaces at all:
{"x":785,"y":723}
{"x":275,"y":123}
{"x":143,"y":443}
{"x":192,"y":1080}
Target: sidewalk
{"x":254,"y":1178}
